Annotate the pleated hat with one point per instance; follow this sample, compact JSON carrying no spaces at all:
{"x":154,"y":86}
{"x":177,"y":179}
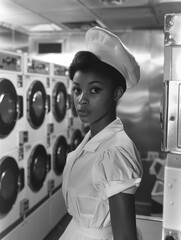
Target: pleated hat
{"x":109,"y":49}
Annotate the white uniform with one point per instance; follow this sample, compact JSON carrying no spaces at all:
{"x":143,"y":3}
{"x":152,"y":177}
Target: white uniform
{"x":100,"y":167}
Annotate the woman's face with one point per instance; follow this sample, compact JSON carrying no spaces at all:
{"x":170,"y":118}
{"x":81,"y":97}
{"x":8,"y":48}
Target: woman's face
{"x":93,"y":98}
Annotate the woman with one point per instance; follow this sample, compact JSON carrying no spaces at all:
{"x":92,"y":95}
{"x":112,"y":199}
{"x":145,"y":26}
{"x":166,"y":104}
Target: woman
{"x":103,"y":173}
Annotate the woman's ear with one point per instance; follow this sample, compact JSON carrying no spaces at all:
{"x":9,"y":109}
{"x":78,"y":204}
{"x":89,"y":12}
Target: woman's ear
{"x":118,"y":93}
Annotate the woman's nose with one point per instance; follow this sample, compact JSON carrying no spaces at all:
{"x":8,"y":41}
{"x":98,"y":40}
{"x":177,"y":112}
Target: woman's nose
{"x":83,"y":100}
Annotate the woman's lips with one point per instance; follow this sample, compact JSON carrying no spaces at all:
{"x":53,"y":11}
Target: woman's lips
{"x":83,"y":112}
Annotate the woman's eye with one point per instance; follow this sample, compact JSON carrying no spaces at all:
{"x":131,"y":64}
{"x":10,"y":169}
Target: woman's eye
{"x":95,"y":90}
{"x":76,"y":90}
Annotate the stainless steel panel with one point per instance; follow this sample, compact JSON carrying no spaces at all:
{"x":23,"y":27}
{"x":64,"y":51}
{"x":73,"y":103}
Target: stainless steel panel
{"x":172,"y":194}
{"x":172,"y":24}
{"x":172,"y":117}
{"x":172,"y":128}
{"x":172,"y":70}
{"x":139,"y":108}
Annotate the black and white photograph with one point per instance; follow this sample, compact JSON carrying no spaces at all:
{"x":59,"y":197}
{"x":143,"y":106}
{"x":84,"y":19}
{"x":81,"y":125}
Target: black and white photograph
{"x":90,"y":120}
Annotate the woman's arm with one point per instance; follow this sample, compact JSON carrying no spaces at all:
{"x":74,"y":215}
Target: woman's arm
{"x":123,"y":216}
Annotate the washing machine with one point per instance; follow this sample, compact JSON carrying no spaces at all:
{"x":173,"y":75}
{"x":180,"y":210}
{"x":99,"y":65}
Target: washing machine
{"x":59,"y":145}
{"x":37,"y":158}
{"x":59,"y":150}
{"x":36,"y":80}
{"x":59,"y":122}
{"x":11,"y":100}
{"x":59,"y":99}
{"x":12,"y":192}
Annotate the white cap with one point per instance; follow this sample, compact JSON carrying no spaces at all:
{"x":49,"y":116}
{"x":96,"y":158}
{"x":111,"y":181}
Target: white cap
{"x":109,"y":49}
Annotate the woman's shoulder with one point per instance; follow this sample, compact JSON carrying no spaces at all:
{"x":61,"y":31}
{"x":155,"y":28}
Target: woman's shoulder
{"x":120,"y":152}
{"x":120,"y":140}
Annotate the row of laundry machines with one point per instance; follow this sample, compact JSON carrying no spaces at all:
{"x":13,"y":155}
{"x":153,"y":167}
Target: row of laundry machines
{"x":38,"y":127}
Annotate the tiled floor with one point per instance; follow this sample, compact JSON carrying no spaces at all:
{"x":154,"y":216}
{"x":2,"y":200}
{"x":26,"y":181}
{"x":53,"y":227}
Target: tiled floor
{"x":59,"y":229}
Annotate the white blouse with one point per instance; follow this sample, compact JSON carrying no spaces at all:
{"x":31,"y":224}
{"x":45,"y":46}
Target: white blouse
{"x":100,"y":167}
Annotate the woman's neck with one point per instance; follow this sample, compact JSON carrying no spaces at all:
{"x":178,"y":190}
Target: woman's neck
{"x":96,"y":127}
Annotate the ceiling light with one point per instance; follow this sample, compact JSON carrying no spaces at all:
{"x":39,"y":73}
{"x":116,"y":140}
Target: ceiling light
{"x":45,"y":27}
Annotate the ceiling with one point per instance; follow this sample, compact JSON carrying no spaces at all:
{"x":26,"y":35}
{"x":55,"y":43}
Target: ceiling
{"x":32,"y":16}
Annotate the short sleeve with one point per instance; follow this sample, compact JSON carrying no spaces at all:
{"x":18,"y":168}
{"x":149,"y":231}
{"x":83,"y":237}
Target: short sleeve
{"x":118,"y":170}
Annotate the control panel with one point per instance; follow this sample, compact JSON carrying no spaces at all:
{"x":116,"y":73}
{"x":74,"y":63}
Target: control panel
{"x":10,"y":62}
{"x":37,"y":67}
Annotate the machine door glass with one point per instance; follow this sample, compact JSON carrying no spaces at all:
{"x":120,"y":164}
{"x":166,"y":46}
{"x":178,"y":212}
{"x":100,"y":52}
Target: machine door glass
{"x":36,"y":104}
{"x":8,"y":107}
{"x":59,"y":155}
{"x":38,"y":167}
{"x":9,"y":177}
{"x":59,"y":101}
{"x":74,"y":112}
{"x":76,"y":139}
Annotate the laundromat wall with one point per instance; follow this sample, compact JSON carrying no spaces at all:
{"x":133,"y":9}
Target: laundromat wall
{"x":39,"y":126}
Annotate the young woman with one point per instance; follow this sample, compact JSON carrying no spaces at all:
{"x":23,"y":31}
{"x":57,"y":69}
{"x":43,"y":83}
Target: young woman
{"x":103,"y":173}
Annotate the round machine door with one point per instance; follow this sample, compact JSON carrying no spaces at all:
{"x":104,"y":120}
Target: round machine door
{"x":60,"y":151}
{"x":76,"y":139}
{"x":8,"y":107}
{"x":36,"y":104}
{"x":73,"y":109}
{"x":59,"y":101}
{"x":38,"y":167}
{"x":9,"y":186}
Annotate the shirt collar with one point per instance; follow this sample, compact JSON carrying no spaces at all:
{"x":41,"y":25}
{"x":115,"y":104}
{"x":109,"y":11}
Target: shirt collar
{"x":92,"y":144}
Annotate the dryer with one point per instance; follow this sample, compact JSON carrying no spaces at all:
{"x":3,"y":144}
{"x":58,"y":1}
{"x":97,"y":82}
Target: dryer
{"x":37,"y":158}
{"x":59,"y":122}
{"x":12,"y":191}
{"x":59,"y":145}
{"x":59,"y":99}
{"x":59,"y":150}
{"x":37,"y":101}
{"x":11,"y":100}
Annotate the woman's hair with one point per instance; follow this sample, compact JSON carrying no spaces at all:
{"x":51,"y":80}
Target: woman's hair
{"x":88,"y":62}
